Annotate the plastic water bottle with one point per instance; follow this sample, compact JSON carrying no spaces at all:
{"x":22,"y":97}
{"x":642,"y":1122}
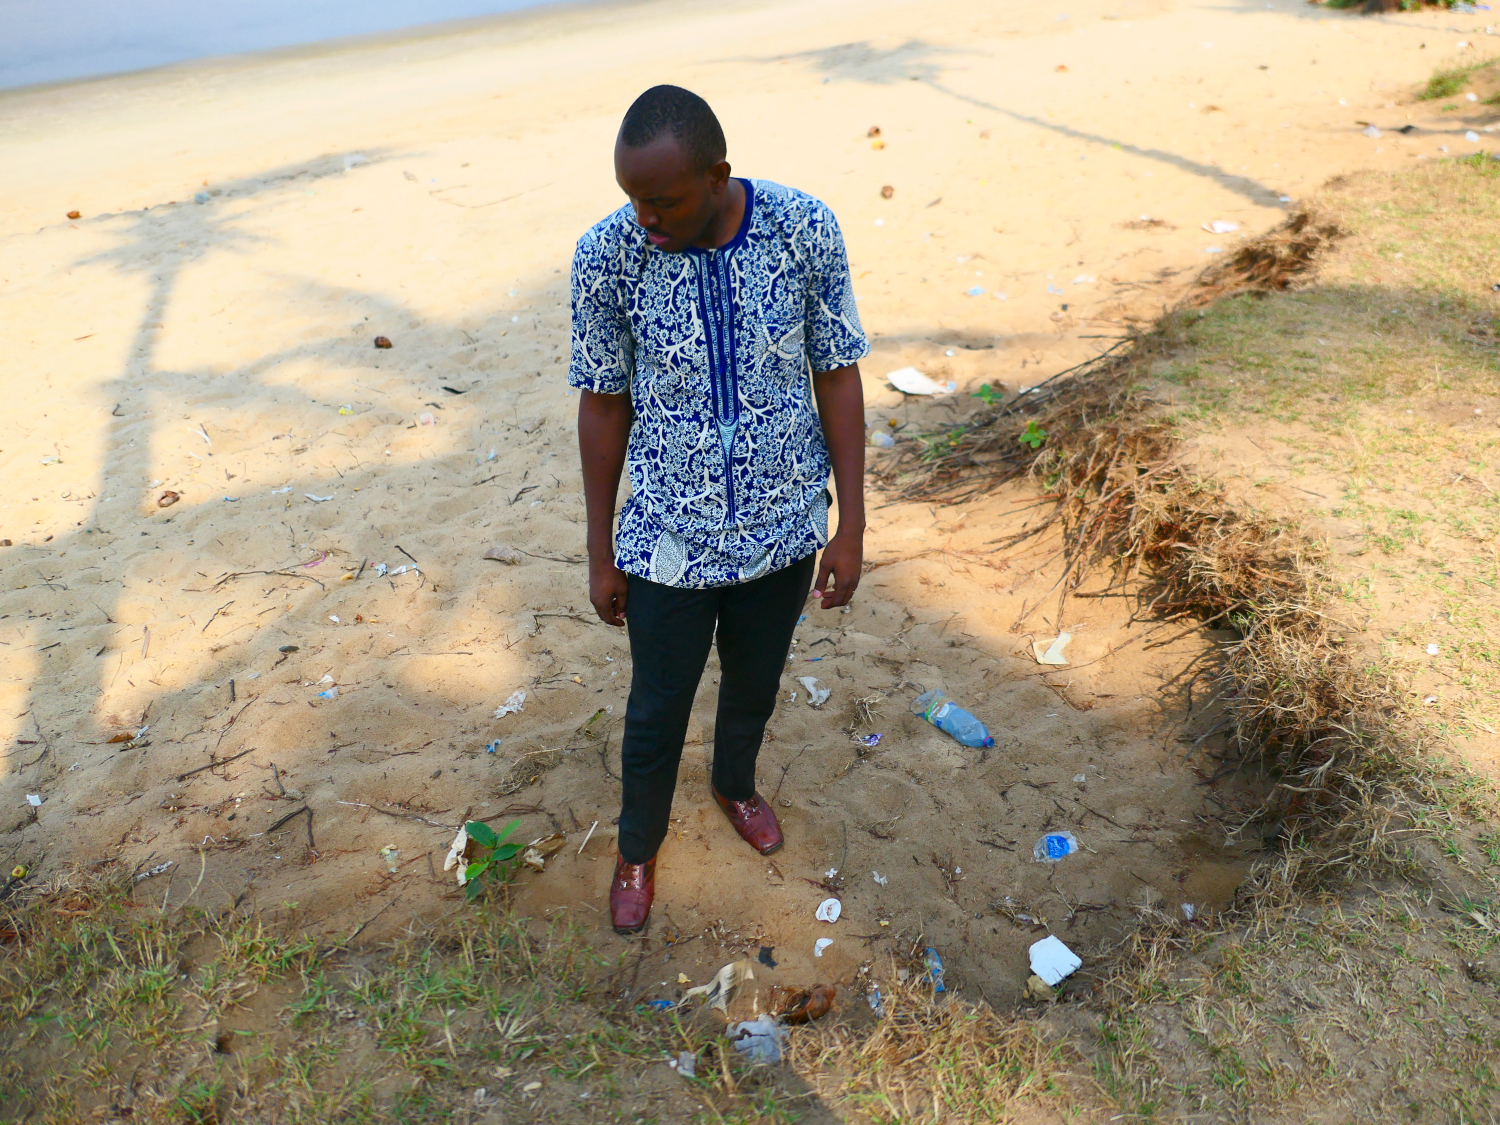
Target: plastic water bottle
{"x":951,"y":719}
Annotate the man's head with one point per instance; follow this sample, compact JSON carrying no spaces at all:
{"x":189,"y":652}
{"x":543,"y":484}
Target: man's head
{"x":669,"y":159}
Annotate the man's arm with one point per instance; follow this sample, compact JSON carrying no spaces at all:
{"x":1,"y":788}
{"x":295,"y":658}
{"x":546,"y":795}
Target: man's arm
{"x":841,"y":407}
{"x":603,"y":433}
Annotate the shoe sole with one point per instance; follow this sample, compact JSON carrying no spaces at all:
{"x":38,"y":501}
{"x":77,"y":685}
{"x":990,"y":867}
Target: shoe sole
{"x":624,"y":932}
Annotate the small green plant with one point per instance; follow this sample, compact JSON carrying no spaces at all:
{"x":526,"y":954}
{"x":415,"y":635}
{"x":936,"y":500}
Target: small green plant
{"x":495,"y":865}
{"x":1448,"y":82}
{"x":987,"y":394}
{"x":1033,"y":435}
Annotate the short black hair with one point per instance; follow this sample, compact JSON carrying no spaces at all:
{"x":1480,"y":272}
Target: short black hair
{"x":682,"y":113}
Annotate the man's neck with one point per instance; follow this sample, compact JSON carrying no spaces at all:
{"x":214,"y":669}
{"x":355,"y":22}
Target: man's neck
{"x":726,"y":224}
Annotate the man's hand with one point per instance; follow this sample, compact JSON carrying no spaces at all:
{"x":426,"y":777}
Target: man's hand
{"x":842,"y":561}
{"x":608,"y":590}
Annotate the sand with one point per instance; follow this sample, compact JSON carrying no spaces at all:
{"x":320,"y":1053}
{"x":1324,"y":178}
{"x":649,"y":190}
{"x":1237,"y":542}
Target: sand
{"x":429,"y":189}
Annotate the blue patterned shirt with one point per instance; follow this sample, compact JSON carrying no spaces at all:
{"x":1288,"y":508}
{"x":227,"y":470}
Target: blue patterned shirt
{"x":728,"y":467}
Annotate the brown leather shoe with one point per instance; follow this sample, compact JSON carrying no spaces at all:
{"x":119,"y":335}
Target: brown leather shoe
{"x":754,"y":821}
{"x":630,"y":894}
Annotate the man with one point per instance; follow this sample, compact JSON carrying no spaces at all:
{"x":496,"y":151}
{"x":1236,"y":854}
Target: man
{"x":698,"y":312}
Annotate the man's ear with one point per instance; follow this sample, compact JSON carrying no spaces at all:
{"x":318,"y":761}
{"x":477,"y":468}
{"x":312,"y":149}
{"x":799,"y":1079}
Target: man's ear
{"x":718,"y":176}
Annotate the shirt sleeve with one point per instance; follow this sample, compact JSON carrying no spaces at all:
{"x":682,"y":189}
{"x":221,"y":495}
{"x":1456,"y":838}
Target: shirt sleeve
{"x":835,"y":337}
{"x":603,"y":347}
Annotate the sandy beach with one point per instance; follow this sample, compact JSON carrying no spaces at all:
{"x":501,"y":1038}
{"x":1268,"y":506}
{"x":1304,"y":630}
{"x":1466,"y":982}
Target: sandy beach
{"x":204,"y":329}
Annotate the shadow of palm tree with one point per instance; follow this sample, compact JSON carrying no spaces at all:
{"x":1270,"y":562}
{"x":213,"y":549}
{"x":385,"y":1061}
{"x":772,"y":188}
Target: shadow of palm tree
{"x":918,"y":61}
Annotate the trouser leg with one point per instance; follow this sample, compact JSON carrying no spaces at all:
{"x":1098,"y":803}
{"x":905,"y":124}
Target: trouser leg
{"x":670,"y":632}
{"x":756,"y":621}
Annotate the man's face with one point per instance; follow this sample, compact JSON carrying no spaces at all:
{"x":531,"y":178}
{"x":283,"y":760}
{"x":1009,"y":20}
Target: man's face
{"x":675,"y":202}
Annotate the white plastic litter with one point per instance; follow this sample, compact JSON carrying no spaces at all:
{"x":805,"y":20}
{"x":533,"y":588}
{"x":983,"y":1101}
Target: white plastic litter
{"x":1471,"y":136}
{"x":881,"y":439}
{"x":829,"y":910}
{"x":317,"y":499}
{"x":1189,"y":911}
{"x":1053,"y":961}
{"x":685,"y":1064}
{"x":821,"y":944}
{"x":817,"y":694}
{"x":1371,"y":132}
{"x":908,"y":380}
{"x":281,"y":491}
{"x":1053,"y":653}
{"x":760,"y":1040}
{"x":380,"y":569}
{"x":456,"y":856}
{"x":327,"y":679}
{"x":1433,"y":650}
{"x":1080,"y":778}
{"x":1054,"y":846}
{"x":34,"y":800}
{"x":329,"y":693}
{"x":881,"y":879}
{"x":1084,"y":279}
{"x":719,"y":990}
{"x":1221,"y":226}
{"x":512,"y":706}
{"x":334,"y":618}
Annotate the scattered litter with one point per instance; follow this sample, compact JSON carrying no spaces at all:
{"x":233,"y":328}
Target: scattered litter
{"x":1433,"y":650}
{"x":1221,"y":226}
{"x":540,"y":850}
{"x":1213,"y":249}
{"x":759,"y":1040}
{"x":765,"y":957}
{"x":977,"y":291}
{"x":877,"y":1005}
{"x":887,"y":191}
{"x":1039,"y":990}
{"x":951,"y":719}
{"x":1055,"y":846}
{"x":1371,"y":131}
{"x":1052,"y":960}
{"x":19,"y":871}
{"x":685,"y":1064}
{"x":390,"y":854}
{"x":1055,"y":290}
{"x":661,"y":1005}
{"x":281,"y":491}
{"x":508,"y":555}
{"x":828,"y":910}
{"x":75,"y":214}
{"x":870,"y":740}
{"x":168,"y":498}
{"x":380,"y":570}
{"x":327,"y":679}
{"x":1080,"y":778}
{"x":830,"y":873}
{"x":934,"y":966}
{"x":880,"y":439}
{"x":329,"y":693}
{"x":817,"y":694}
{"x":334,"y":618}
{"x":1471,"y":136}
{"x":1053,"y":653}
{"x":382,"y":341}
{"x":512,"y":706}
{"x":821,"y":944}
{"x":34,"y":800}
{"x":152,"y":872}
{"x":718,"y":991}
{"x":427,"y":419}
{"x":1189,"y":911}
{"x":201,"y":197}
{"x":458,"y":853}
{"x":288,"y":648}
{"x":803,"y":1005}
{"x":317,"y":499}
{"x":1084,"y":279}
{"x":346,"y":409}
{"x":908,"y":380}
{"x":1431,"y":699}
{"x":491,"y":747}
{"x":879,"y":878}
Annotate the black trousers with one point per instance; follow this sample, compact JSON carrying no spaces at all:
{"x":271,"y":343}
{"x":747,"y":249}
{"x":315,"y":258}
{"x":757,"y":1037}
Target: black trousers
{"x":670,"y":632}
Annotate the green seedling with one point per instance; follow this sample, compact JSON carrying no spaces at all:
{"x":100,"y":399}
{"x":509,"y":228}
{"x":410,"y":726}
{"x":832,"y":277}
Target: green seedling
{"x":1033,"y":435}
{"x":495,"y":865}
{"x":986,"y":394}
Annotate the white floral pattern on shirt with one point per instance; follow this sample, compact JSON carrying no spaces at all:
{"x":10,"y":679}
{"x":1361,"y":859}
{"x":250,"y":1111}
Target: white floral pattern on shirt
{"x":728,"y":467}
